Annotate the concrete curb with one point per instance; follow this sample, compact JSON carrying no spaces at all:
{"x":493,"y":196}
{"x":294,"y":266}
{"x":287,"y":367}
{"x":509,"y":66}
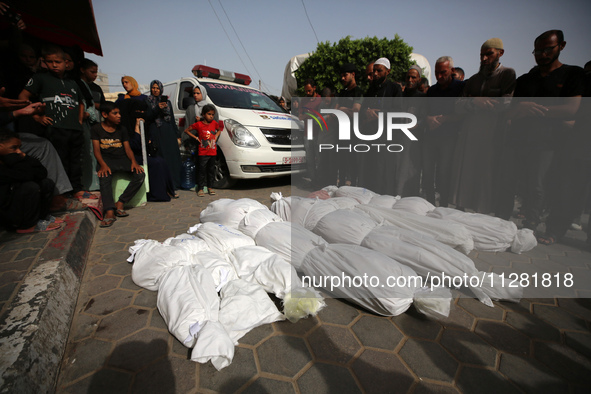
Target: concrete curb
{"x":34,"y":333}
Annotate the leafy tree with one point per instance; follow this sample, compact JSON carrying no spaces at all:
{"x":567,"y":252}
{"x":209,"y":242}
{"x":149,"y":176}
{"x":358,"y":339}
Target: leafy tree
{"x":323,"y":66}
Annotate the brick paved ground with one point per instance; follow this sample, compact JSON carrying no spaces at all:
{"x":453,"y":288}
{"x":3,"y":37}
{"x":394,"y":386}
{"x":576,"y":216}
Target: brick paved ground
{"x":119,"y":343}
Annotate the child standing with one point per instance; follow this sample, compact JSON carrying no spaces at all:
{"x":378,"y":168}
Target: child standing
{"x":113,"y":154}
{"x":208,"y":132}
{"x":63,"y":113}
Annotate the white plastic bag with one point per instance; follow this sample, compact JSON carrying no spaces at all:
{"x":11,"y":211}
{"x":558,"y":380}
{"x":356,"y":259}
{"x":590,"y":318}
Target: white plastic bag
{"x":362,"y":195}
{"x":245,"y":306}
{"x":255,"y":220}
{"x":449,"y":233}
{"x":229,"y":213}
{"x":289,"y":240}
{"x":153,"y":260}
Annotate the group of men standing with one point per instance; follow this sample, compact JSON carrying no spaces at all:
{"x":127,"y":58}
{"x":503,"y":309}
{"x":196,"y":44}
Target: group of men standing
{"x":481,"y":141}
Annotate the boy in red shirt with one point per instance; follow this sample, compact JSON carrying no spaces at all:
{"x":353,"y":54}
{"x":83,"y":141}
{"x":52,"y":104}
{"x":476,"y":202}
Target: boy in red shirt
{"x":208,"y":132}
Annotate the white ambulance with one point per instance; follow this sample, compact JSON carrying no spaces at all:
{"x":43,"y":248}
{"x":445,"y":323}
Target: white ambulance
{"x":259,"y":140}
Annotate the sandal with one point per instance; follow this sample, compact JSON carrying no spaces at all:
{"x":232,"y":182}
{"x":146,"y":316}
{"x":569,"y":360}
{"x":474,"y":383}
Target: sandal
{"x":41,"y":226}
{"x":200,"y":193}
{"x":108,"y":222}
{"x":547,"y":240}
{"x":120,"y":213}
{"x":211,"y":191}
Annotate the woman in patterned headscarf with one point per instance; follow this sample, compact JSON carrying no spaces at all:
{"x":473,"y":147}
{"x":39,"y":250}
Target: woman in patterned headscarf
{"x":163,"y":130}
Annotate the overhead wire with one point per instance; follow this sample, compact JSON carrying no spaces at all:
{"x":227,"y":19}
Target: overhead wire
{"x":240,"y":41}
{"x":310,"y":22}
{"x":227,"y":35}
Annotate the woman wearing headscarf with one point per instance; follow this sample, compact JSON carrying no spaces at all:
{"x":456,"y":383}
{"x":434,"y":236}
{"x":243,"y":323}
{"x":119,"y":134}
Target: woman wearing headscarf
{"x":133,"y":106}
{"x":163,"y":131}
{"x":193,"y":114}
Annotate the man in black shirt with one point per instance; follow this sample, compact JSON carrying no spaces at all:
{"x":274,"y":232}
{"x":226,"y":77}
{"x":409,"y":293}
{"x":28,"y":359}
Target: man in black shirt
{"x":545,"y":125}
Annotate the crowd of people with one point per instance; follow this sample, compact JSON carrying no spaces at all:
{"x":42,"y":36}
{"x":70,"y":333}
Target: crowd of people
{"x":59,"y":132}
{"x":481,"y":141}
{"x":478,"y":145}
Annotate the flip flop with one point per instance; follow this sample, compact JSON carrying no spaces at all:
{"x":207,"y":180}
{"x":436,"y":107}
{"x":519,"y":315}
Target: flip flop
{"x":41,"y":226}
{"x":107,"y":222}
{"x":120,"y":213}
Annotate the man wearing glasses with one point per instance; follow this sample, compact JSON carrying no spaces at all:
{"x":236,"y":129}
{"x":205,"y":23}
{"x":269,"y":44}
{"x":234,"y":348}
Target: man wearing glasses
{"x":543,"y":126}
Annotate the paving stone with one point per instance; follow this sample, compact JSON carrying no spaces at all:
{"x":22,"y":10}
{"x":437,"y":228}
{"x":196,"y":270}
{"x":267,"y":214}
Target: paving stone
{"x":325,"y":378}
{"x":521,"y":258}
{"x":120,"y":230}
{"x":432,"y":388}
{"x":429,"y":360}
{"x":26,"y":254}
{"x":497,"y":259}
{"x":482,"y":266}
{"x":139,"y":350}
{"x":283,"y":355}
{"x":503,"y":337}
{"x":542,"y":266}
{"x":6,"y":257}
{"x":121,"y":269}
{"x":169,"y":375}
{"x":231,"y":378}
{"x":106,"y":303}
{"x":83,"y":327}
{"x":180,"y":350}
{"x":127,"y":283}
{"x":416,"y":325}
{"x":98,"y":270}
{"x":569,"y":364}
{"x":578,"y":306}
{"x":380,"y":372}
{"x":21,"y":265}
{"x":338,"y":312}
{"x":560,"y":318}
{"x":265,"y":385}
{"x":581,"y":278}
{"x":104,"y":381}
{"x":132,"y":237}
{"x":581,"y":342}
{"x":478,"y":309}
{"x":530,"y":375}
{"x":100,"y":285}
{"x":301,"y":328}
{"x":122,"y":323}
{"x":483,"y":381}
{"x":543,"y":252}
{"x":458,"y":318}
{"x":572,"y":261}
{"x":257,"y":334}
{"x":146,"y":298}
{"x":523,"y":306}
{"x":468,"y":348}
{"x":377,"y":332}
{"x":156,"y":320}
{"x":12,"y":276}
{"x":532,"y":326}
{"x":120,"y":256}
{"x":331,"y":343}
{"x":85,"y":357}
{"x":7,"y":291}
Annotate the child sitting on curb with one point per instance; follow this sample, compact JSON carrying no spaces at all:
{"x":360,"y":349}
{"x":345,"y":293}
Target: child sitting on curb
{"x":208,"y":132}
{"x":113,"y":154}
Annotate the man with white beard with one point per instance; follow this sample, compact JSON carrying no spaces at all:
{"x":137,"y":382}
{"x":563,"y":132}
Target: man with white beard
{"x":475,"y":161}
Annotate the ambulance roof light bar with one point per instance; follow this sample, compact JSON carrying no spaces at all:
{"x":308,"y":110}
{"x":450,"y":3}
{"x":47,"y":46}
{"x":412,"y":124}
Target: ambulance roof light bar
{"x":201,"y":71}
